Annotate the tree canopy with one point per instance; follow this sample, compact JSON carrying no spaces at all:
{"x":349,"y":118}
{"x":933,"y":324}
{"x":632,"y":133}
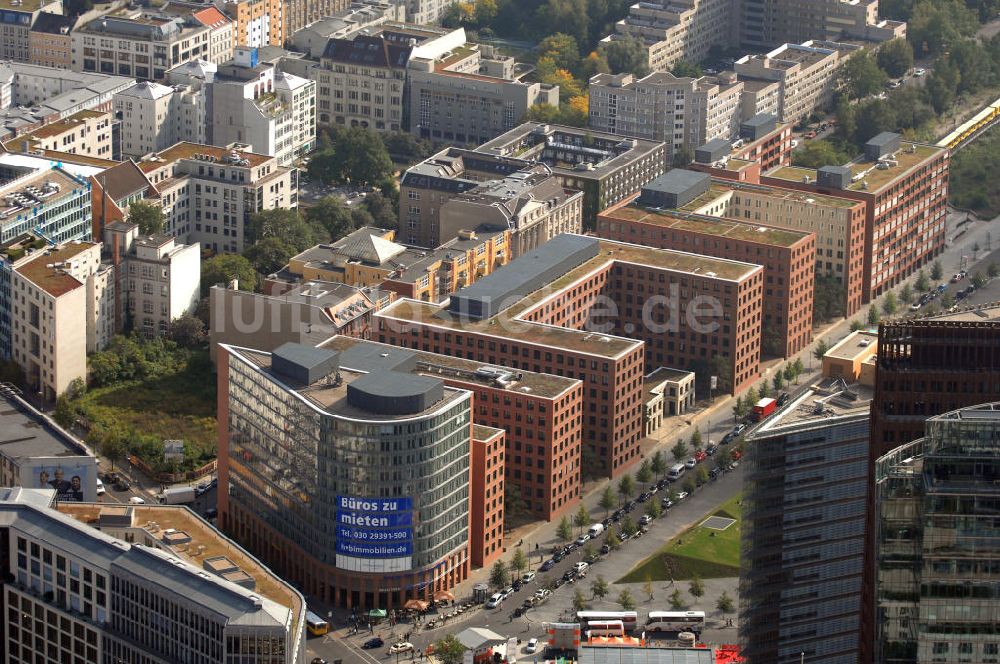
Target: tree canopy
{"x":895,"y":57}
{"x":355,"y":156}
{"x":223,"y":267}
{"x":148,"y":216}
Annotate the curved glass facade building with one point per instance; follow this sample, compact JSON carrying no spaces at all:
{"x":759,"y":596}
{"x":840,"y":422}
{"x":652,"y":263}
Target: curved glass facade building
{"x":353,"y":484}
{"x":938,"y":542}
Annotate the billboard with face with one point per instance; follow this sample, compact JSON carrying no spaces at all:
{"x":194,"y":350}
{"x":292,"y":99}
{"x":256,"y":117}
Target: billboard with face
{"x":73,"y":478}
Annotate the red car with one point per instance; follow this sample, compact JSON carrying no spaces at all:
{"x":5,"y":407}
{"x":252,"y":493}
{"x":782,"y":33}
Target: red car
{"x":737,"y":455}
{"x":699,"y":456}
{"x":810,"y":134}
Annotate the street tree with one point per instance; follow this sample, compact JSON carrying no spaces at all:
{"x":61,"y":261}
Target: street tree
{"x":658,"y":465}
{"x":906,"y":294}
{"x":895,"y":57}
{"x":449,"y":650}
{"x":599,"y":588}
{"x":861,"y":76}
{"x":628,"y":526}
{"x":763,"y":389}
{"x":946,"y":301}
{"x":499,"y":575}
{"x":701,"y":475}
{"x":219,"y":269}
{"x":821,"y":349}
{"x":626,"y":486}
{"x":696,"y":439}
{"x":873,"y":316}
{"x":561,"y":49}
{"x":679,"y":450}
{"x":612,"y":540}
{"x":582,"y":517}
{"x":978,"y":280}
{"x":725,"y":603}
{"x":777,"y":381}
{"x":798,"y":368}
{"x":788,"y":373}
{"x":922,"y":284}
{"x":608,"y":500}
{"x":588,"y":554}
{"x":579,"y":601}
{"x":696,"y":587}
{"x":565,"y":529}
{"x":269,"y":254}
{"x":654,"y":509}
{"x":645,"y":474}
{"x":751,"y":398}
{"x":626,"y":601}
{"x":677,"y":600}
{"x":519,"y":561}
{"x":889,"y":304}
{"x":739,"y":408}
{"x":937,"y":271}
{"x":689,"y":484}
{"x":627,"y":55}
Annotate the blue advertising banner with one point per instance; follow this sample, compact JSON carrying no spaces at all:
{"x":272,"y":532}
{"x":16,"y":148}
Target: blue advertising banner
{"x":369,"y":520}
{"x":385,"y":535}
{"x":378,"y":505}
{"x":362,"y":550}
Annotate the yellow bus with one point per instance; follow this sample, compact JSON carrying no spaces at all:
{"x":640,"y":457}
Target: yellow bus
{"x":316,"y":625}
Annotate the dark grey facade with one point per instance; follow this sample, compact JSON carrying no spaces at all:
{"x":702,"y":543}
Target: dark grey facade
{"x":804,"y":498}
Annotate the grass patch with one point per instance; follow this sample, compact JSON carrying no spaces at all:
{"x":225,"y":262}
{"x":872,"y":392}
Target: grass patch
{"x":179,"y":404}
{"x":711,"y":554}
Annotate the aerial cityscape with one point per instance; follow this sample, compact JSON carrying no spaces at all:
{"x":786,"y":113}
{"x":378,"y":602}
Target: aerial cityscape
{"x":487,"y":331}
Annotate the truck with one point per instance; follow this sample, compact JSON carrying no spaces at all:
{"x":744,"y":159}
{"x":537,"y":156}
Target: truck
{"x":178,"y":495}
{"x":763,"y":408}
{"x":596,"y":530}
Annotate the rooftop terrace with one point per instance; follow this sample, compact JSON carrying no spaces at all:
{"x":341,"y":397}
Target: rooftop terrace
{"x":224,"y":156}
{"x":707,"y":225}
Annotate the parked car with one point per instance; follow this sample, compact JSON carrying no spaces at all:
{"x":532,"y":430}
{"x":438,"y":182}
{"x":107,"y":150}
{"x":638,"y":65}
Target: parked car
{"x":739,"y":429}
{"x":700,"y":456}
{"x":371,"y":644}
{"x":580,"y":568}
{"x":547,"y":565}
{"x":663,"y":483}
{"x":942,"y":288}
{"x":682,"y":495}
{"x":714,"y":473}
{"x":136,"y":500}
{"x":558,"y":557}
{"x":645,"y":520}
{"x":919,"y":71}
{"x":582,"y":539}
{"x":711,"y":449}
{"x":122,"y":484}
{"x":211,"y":513}
{"x":569,"y":575}
{"x":605,"y":549}
{"x":617,"y":516}
{"x":100,"y":487}
{"x":783,"y":398}
{"x":528,"y":577}
{"x":516,"y":585}
{"x":494,"y":600}
{"x":795,"y":143}
{"x":810,"y":134}
{"x":666,"y":503}
{"x":643,"y":497}
{"x":507,"y":592}
{"x":957,"y":277}
{"x":532,"y":646}
{"x":691,"y":463}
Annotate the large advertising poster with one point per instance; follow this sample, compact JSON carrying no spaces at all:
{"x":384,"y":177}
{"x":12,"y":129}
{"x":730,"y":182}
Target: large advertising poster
{"x":73,"y":478}
{"x":374,"y":534}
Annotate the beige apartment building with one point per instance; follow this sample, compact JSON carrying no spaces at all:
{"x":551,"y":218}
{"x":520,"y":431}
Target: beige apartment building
{"x":300,"y":13}
{"x":471,"y":94}
{"x":153,"y":117}
{"x":159,"y":279}
{"x":805,"y":73}
{"x":62,"y":309}
{"x":682,"y":112}
{"x":208,"y":193}
{"x":146,"y":45}
{"x":49,"y":41}
{"x":85,"y":133}
{"x":674,"y":30}
{"x":15,"y":29}
{"x":764,"y":24}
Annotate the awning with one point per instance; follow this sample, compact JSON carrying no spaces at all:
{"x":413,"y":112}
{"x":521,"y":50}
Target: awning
{"x":377,"y":613}
{"x":415,"y":604}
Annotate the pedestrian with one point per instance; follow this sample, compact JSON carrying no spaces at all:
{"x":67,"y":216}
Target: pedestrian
{"x":371,"y":627}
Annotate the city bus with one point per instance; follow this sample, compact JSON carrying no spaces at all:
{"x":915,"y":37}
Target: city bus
{"x":605,"y":628}
{"x":629,"y":619}
{"x":316,"y":625}
{"x":676,"y":621}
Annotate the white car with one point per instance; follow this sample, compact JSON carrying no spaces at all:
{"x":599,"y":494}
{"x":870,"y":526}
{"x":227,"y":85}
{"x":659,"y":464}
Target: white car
{"x":532,"y":646}
{"x":795,"y":143}
{"x":682,"y":495}
{"x":691,"y":463}
{"x":580,"y":567}
{"x":402,"y":646}
{"x":528,"y":577}
{"x":100,"y":487}
{"x":582,"y":539}
{"x":136,"y":500}
{"x":495,"y":600}
{"x":919,"y":71}
{"x":645,"y":520}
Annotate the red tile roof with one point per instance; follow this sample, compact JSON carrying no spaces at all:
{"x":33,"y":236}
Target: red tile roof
{"x":211,"y":17}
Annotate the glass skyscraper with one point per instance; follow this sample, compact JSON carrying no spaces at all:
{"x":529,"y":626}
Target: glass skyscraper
{"x":938,"y":542}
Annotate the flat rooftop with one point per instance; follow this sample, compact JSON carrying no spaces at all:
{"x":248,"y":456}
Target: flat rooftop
{"x":24,"y":434}
{"x":986,"y":313}
{"x":186,"y":150}
{"x":22,"y":5}
{"x":909,"y":156}
{"x":66,"y":124}
{"x":507,"y":324}
{"x":180,"y":518}
{"x":456,"y":368}
{"x":710,"y":226}
{"x":823,"y":401}
{"x":780,"y":194}
{"x":53,"y":280}
{"x":854,"y":345}
{"x":481,"y":432}
{"x":42,"y":188}
{"x":330,"y":396}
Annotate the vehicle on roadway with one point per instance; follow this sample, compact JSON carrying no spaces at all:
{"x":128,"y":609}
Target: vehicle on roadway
{"x":100,"y":487}
{"x":532,"y":646}
{"x":682,"y":495}
{"x":580,"y":568}
{"x":315,"y":625}
{"x":676,"y":621}
{"x":629,"y":619}
{"x":691,"y":463}
{"x":547,"y":565}
{"x":582,"y":539}
{"x":136,"y":500}
{"x":528,"y":577}
{"x":494,"y":600}
{"x":645,"y":520}
{"x":371,"y":644}
{"x":919,"y":71}
{"x":400,"y":646}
